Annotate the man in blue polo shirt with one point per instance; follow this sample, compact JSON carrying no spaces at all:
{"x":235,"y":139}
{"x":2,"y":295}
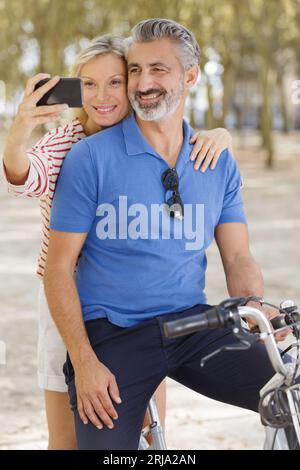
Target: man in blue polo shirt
{"x":132,"y":266}
{"x":129,"y":201}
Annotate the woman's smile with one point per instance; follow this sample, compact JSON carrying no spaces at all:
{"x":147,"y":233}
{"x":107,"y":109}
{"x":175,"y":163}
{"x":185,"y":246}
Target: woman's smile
{"x":104,"y":109}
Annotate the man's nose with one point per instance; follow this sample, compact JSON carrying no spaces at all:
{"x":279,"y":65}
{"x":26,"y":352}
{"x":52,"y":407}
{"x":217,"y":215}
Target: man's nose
{"x":145,"y":82}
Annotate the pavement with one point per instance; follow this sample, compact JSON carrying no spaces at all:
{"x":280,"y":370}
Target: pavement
{"x":193,"y":422}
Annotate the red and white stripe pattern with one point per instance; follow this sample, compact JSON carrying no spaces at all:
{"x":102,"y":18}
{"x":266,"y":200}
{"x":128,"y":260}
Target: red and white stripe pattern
{"x":46,"y":159}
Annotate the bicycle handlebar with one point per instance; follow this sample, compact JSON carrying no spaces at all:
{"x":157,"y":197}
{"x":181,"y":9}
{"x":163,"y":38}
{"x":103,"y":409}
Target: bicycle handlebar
{"x":224,"y":315}
{"x":214,"y":318}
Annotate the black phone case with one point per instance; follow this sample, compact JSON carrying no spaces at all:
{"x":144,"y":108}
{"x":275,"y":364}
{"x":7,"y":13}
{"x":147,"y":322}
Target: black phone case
{"x":67,"y":90}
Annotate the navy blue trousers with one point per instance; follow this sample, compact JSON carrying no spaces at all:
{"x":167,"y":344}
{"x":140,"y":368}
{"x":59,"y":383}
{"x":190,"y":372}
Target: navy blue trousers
{"x":140,"y":357}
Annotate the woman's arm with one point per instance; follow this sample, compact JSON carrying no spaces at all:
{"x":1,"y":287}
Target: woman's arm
{"x":208,"y":146}
{"x":23,"y":176}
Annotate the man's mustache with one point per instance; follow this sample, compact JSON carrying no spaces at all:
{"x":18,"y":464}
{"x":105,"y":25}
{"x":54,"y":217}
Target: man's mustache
{"x":152,"y":91}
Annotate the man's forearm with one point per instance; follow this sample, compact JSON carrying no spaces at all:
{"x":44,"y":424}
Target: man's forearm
{"x":244,"y":277}
{"x":64,"y":304}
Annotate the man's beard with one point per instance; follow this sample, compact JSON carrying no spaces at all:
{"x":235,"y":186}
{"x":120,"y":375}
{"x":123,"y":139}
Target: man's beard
{"x":167,"y":104}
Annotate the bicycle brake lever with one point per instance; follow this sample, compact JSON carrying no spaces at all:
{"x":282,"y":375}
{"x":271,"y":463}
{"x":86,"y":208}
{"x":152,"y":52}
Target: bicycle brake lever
{"x":246,"y":339}
{"x":230,"y":347}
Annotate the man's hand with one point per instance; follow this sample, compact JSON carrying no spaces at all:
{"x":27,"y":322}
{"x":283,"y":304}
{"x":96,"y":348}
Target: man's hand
{"x":270,"y":313}
{"x":96,"y":387}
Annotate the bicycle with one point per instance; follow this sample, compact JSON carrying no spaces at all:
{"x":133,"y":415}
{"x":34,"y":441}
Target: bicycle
{"x":155,"y":429}
{"x":279,"y":404}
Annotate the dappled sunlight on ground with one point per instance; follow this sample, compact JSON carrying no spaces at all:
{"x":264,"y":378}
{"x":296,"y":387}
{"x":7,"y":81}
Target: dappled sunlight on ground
{"x":273,"y":209}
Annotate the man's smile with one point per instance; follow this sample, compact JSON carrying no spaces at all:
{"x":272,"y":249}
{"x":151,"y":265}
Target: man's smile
{"x":150,"y":98}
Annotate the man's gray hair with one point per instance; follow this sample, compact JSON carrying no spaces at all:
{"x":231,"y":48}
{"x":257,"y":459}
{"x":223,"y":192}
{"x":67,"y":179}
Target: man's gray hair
{"x":157,"y":28}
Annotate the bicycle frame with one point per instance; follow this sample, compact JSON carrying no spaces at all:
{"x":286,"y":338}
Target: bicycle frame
{"x":155,"y":429}
{"x":278,"y":436}
{"x":275,"y":438}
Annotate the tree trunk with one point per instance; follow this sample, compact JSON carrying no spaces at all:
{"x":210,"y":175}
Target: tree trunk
{"x":209,"y":115}
{"x":192,"y":97}
{"x":228,"y":80}
{"x":283,"y":107}
{"x":266,"y":120}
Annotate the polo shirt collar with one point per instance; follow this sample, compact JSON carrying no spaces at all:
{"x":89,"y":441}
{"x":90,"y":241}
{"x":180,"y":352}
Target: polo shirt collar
{"x":136,"y":144}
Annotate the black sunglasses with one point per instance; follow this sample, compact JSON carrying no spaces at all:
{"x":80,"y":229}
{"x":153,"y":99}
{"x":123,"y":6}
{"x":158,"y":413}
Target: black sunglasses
{"x":170,"y":181}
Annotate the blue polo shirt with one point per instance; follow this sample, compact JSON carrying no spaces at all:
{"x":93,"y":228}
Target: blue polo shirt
{"x":137,"y":262}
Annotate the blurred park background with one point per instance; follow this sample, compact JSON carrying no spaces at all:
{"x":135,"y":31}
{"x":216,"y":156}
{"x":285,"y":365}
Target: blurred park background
{"x":250,"y":58}
{"x":250,"y":83}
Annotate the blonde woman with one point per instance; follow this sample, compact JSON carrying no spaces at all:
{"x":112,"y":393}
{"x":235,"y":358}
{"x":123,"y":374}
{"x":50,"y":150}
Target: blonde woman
{"x":33,"y":173}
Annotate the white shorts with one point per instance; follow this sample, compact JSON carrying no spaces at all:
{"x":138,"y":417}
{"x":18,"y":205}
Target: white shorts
{"x":51,"y":350}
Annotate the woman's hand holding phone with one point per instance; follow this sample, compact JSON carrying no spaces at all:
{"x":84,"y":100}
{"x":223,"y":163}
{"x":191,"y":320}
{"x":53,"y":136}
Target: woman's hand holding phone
{"x":29,"y":116}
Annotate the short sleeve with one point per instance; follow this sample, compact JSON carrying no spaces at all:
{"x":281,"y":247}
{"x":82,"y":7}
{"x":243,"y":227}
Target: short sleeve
{"x":75,"y":198}
{"x":233,"y":207}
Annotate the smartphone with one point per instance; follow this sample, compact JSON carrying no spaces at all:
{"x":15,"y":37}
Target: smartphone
{"x":67,"y":90}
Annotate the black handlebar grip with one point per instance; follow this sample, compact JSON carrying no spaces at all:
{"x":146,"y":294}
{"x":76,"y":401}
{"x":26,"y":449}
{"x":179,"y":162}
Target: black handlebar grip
{"x":176,"y":328}
{"x":212,"y":318}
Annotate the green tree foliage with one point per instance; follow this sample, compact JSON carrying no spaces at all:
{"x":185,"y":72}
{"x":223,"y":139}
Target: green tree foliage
{"x":256,"y":41}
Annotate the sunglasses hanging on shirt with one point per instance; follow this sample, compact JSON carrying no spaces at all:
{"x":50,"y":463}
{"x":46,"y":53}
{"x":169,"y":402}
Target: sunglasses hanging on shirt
{"x":170,"y":181}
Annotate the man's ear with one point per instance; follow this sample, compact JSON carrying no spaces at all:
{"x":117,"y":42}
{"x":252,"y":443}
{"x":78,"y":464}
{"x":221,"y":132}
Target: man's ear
{"x":192,"y":76}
